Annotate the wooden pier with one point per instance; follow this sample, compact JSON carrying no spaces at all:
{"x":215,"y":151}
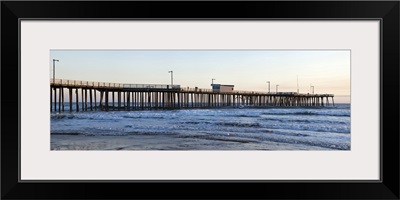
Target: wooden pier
{"x":116,"y":96}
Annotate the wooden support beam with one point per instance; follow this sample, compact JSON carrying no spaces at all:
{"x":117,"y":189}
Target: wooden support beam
{"x":62,"y":98}
{"x":123,"y":97}
{"x":119,"y":100}
{"x":70,"y":99}
{"x":128,"y":98}
{"x":148,"y":100}
{"x":51,"y":99}
{"x":136,"y":100}
{"x":82,"y":98}
{"x":113,"y":100}
{"x":59,"y":99}
{"x":77,"y":99}
{"x":86,"y":102}
{"x":55,"y":99}
{"x":95,"y":100}
{"x":107,"y":106}
{"x":101,"y":99}
{"x":91,"y":100}
{"x":142,"y":95}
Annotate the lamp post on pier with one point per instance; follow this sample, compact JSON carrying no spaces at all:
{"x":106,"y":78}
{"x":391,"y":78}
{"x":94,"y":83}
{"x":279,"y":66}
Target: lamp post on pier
{"x":269,"y":88}
{"x":172,"y":77}
{"x":54,"y":70}
{"x":277,"y":88}
{"x":212,"y":81}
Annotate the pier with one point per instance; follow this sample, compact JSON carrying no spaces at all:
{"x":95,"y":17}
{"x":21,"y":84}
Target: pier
{"x":90,"y":96}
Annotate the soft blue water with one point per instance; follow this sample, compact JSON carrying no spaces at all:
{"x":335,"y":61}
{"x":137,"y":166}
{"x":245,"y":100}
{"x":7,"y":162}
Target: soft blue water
{"x":326,"y":127}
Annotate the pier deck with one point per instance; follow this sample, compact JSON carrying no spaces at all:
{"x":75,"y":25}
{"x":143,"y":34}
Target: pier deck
{"x":117,"y":96}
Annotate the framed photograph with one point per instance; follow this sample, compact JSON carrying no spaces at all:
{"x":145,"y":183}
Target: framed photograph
{"x":289,"y":96}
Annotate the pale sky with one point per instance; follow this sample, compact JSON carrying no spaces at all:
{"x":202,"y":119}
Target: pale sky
{"x":327,"y":70}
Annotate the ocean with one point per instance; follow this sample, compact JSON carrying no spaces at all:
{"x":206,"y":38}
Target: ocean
{"x":246,"y":128}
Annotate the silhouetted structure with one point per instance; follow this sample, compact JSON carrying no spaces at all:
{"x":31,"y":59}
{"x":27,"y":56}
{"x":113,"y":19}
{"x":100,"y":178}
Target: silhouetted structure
{"x":147,"y":96}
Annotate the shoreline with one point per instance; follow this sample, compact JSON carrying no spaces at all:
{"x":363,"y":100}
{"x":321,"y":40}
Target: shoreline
{"x":167,"y":142}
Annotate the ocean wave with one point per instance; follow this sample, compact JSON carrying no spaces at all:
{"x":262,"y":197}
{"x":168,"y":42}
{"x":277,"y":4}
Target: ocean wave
{"x":145,"y":132}
{"x":61,"y":116}
{"x":241,"y":115}
{"x":71,"y":133}
{"x":285,"y":133}
{"x":142,"y":117}
{"x":108,"y":115}
{"x":339,"y":130}
{"x":86,"y":116}
{"x":306,"y":121}
{"x":197,"y":122}
{"x":217,"y":137}
{"x":238,"y":124}
{"x":308,"y":113}
{"x":89,"y":134}
{"x":278,"y":136}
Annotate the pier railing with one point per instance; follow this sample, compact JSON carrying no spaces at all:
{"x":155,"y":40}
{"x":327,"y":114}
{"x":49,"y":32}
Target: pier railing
{"x":187,"y":89}
{"x":79,"y":83}
{"x":155,"y":86}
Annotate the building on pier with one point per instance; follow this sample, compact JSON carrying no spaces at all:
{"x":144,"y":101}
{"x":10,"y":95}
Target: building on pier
{"x":222,"y":88}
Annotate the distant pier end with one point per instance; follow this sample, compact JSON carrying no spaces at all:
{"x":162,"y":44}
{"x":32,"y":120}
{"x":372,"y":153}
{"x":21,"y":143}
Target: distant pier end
{"x":116,"y":96}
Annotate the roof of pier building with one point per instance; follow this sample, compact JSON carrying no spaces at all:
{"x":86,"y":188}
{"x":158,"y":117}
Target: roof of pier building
{"x":222,"y":88}
{"x":217,"y":86}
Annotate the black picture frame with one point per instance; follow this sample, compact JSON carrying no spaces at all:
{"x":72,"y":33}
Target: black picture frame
{"x":386,"y":11}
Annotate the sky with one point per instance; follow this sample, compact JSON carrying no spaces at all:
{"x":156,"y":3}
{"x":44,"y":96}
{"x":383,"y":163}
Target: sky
{"x":327,"y":70}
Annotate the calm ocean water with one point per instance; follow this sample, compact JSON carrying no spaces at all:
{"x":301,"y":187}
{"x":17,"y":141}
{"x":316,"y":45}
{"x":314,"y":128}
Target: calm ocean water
{"x":324,"y":128}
